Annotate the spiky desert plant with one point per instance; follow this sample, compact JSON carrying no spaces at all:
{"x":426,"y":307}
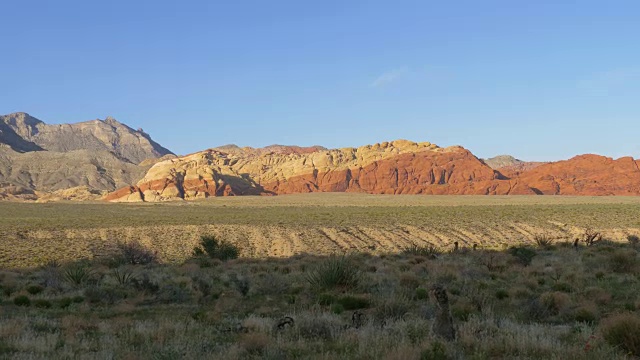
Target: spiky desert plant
{"x":77,"y":274}
{"x":335,"y":272}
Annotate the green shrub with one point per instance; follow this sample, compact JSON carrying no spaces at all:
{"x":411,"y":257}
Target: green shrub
{"x":335,"y":272}
{"x":35,"y":289}
{"x":22,"y":300}
{"x":561,"y":286}
{"x":422,"y":294}
{"x":216,"y":249}
{"x":437,"y":351}
{"x":337,"y":309}
{"x":623,"y":330}
{"x":354,"y":302}
{"x":65,"y":302}
{"x":78,"y":299}
{"x":42,"y":304}
{"x":326,"y":299}
{"x":523,"y":255}
{"x":502,"y":294}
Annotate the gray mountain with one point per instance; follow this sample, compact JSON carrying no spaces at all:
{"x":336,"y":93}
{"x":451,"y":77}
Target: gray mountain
{"x":501,"y":161}
{"x":131,"y":145}
{"x":98,"y":155}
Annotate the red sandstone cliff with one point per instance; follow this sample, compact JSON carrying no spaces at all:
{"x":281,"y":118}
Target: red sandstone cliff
{"x":398,"y":167}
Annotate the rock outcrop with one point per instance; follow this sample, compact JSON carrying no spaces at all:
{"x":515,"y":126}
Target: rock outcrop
{"x":585,"y":175}
{"x":397,"y":167}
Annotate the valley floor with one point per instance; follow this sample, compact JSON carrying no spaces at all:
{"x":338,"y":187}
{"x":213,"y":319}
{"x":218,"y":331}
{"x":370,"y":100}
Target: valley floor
{"x":321,"y":224}
{"x":321,"y":276}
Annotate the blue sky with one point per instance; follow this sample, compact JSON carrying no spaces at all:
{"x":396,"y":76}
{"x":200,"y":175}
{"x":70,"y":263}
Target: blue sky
{"x":541,"y":80}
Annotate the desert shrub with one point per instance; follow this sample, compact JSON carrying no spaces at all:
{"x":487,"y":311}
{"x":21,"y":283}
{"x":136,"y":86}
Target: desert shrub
{"x":22,"y":300}
{"x":437,"y":351}
{"x":337,"y":309}
{"x":409,"y":281}
{"x":254,"y":343}
{"x":422,"y":294}
{"x":591,"y":236}
{"x":536,"y":311}
{"x":543,"y":241}
{"x":326,"y":299}
{"x":135,"y":253}
{"x":240,"y":283}
{"x":104,"y":295}
{"x":335,"y":272}
{"x":322,"y":327}
{"x":391,"y":309}
{"x":42,"y":304}
{"x":555,"y":301}
{"x":350,"y":302}
{"x":145,"y":285}
{"x":623,"y":330}
{"x":174,"y":294}
{"x":623,"y":261}
{"x":523,"y":255}
{"x":562,"y":286}
{"x":634,"y":240}
{"x":429,"y":251}
{"x":502,"y":294}
{"x":34,"y":289}
{"x":216,"y":249}
{"x":585,"y":314}
{"x":270,"y":284}
{"x":463,"y":309}
{"x":64,"y":302}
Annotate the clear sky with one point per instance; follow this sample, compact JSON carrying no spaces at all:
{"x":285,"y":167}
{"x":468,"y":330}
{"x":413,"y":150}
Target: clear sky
{"x":541,"y":80}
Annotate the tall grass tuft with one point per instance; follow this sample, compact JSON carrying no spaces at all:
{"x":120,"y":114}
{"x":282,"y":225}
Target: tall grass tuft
{"x":335,"y":272}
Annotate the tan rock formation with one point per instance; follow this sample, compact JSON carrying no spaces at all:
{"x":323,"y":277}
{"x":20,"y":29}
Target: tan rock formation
{"x":397,"y":167}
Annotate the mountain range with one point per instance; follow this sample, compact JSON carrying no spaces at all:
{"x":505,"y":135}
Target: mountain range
{"x":93,"y":157}
{"x":105,"y":159}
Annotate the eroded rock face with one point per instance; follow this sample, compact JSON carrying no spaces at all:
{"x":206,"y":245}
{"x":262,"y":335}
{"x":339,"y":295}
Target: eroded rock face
{"x":585,"y":175}
{"x":40,"y":161}
{"x":397,"y":167}
{"x":108,"y":135}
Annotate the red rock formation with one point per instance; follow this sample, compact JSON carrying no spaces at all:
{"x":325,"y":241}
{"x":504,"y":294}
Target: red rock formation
{"x":585,"y":175}
{"x":399,"y":167}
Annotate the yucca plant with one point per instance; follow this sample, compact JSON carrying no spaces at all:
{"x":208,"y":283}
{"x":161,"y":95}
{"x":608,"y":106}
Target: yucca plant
{"x":77,"y":275}
{"x":543,"y":241}
{"x":123,"y":277}
{"x":335,"y":272}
